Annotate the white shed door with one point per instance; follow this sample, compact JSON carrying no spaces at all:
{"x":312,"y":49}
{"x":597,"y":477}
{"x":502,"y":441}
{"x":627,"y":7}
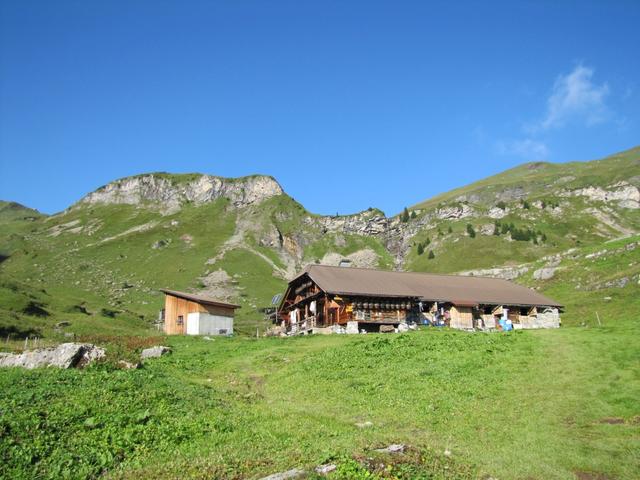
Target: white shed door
{"x":193,"y":323}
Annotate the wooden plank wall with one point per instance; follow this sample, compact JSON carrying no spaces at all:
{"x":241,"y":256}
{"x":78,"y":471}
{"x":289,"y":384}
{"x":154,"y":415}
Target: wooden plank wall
{"x":461,"y":317}
{"x":174,"y":307}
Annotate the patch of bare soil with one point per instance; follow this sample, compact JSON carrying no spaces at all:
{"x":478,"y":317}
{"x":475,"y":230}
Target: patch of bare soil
{"x":582,"y":475}
{"x":612,"y":420}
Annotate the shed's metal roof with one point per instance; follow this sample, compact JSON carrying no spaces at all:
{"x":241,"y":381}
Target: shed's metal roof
{"x":198,"y":298}
{"x":425,"y":286}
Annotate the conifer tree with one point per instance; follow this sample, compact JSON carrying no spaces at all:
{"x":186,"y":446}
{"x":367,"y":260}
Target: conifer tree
{"x":471,"y":231}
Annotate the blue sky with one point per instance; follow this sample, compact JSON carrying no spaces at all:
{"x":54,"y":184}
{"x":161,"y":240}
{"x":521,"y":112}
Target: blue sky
{"x":348,"y":104}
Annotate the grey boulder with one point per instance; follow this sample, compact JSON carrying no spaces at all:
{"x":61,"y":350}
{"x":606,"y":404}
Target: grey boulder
{"x":293,"y":473}
{"x":154,"y":352}
{"x":65,"y":355}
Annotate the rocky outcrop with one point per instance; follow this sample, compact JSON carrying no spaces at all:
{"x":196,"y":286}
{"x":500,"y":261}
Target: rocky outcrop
{"x":65,"y":355}
{"x":545,"y":273}
{"x":627,"y":196}
{"x":506,"y":273}
{"x":487,"y":229}
{"x":171,"y":192}
{"x":365,"y":258}
{"x":497,"y":212}
{"x":364,"y":223}
{"x":454,"y":212}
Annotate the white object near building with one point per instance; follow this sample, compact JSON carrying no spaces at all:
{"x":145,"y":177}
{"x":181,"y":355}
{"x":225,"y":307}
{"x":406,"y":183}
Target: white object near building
{"x":201,"y":323}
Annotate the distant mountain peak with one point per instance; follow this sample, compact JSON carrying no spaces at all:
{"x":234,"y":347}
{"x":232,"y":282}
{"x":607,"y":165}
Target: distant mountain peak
{"x":174,"y":190}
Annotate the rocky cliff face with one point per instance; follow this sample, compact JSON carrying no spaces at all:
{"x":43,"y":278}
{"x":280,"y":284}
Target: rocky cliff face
{"x":625,"y":194}
{"x":170,"y":193}
{"x":292,"y":233}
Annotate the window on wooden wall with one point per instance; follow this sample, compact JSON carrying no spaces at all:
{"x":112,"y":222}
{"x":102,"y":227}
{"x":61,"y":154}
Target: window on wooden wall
{"x":180,"y":320}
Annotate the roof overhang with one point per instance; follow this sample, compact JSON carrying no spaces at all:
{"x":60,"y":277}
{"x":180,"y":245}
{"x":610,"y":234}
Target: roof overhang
{"x":198,"y":299}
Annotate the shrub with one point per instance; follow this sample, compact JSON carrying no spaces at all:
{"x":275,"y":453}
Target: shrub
{"x":431,"y":255}
{"x":420,"y":249}
{"x":471,"y":231}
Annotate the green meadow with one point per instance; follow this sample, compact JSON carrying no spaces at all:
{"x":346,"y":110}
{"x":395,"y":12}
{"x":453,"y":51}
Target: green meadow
{"x":552,"y":404}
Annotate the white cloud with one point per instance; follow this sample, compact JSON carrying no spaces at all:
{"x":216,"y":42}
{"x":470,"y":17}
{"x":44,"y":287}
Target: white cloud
{"x":575,"y":97}
{"x":574,"y":100}
{"x":527,"y":148}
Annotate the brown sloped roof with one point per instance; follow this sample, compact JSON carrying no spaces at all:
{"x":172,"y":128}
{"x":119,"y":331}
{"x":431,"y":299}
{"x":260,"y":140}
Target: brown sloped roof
{"x":426,"y":286}
{"x":198,"y":298}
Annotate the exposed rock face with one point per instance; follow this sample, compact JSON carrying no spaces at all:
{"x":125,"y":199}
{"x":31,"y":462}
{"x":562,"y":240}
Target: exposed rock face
{"x":364,"y":223}
{"x":206,"y":188}
{"x":65,"y":355}
{"x":627,"y":196}
{"x":219,"y":284}
{"x":544,"y":273}
{"x":365,"y":258}
{"x":454,"y":213}
{"x":507,"y":273}
{"x":497,"y":212}
{"x":511,"y":193}
{"x":487,"y":229}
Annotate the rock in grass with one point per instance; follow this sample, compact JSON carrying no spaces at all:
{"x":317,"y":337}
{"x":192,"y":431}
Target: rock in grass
{"x":393,"y":448}
{"x":65,"y":355}
{"x":326,"y":469}
{"x":154,"y":352}
{"x":293,"y":473}
{"x":366,"y":424}
{"x":128,"y":365}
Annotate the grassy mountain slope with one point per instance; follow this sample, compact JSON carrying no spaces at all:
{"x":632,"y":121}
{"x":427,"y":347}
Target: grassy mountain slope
{"x":536,"y":179}
{"x":552,"y":404}
{"x":99,"y":264}
{"x":560,"y":204}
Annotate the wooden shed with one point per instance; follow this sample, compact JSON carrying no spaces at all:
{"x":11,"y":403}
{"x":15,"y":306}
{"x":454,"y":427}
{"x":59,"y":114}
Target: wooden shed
{"x":186,"y":313}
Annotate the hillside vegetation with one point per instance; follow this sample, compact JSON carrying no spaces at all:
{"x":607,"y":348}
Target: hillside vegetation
{"x":534,"y":404}
{"x":99,"y":264}
{"x":553,"y":404}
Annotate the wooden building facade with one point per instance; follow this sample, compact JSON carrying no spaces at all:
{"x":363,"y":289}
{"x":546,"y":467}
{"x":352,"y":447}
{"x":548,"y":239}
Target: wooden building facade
{"x":188,"y":314}
{"x":322,"y":297}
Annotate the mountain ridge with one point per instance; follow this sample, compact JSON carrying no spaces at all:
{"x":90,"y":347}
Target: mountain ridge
{"x":241,"y":239}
